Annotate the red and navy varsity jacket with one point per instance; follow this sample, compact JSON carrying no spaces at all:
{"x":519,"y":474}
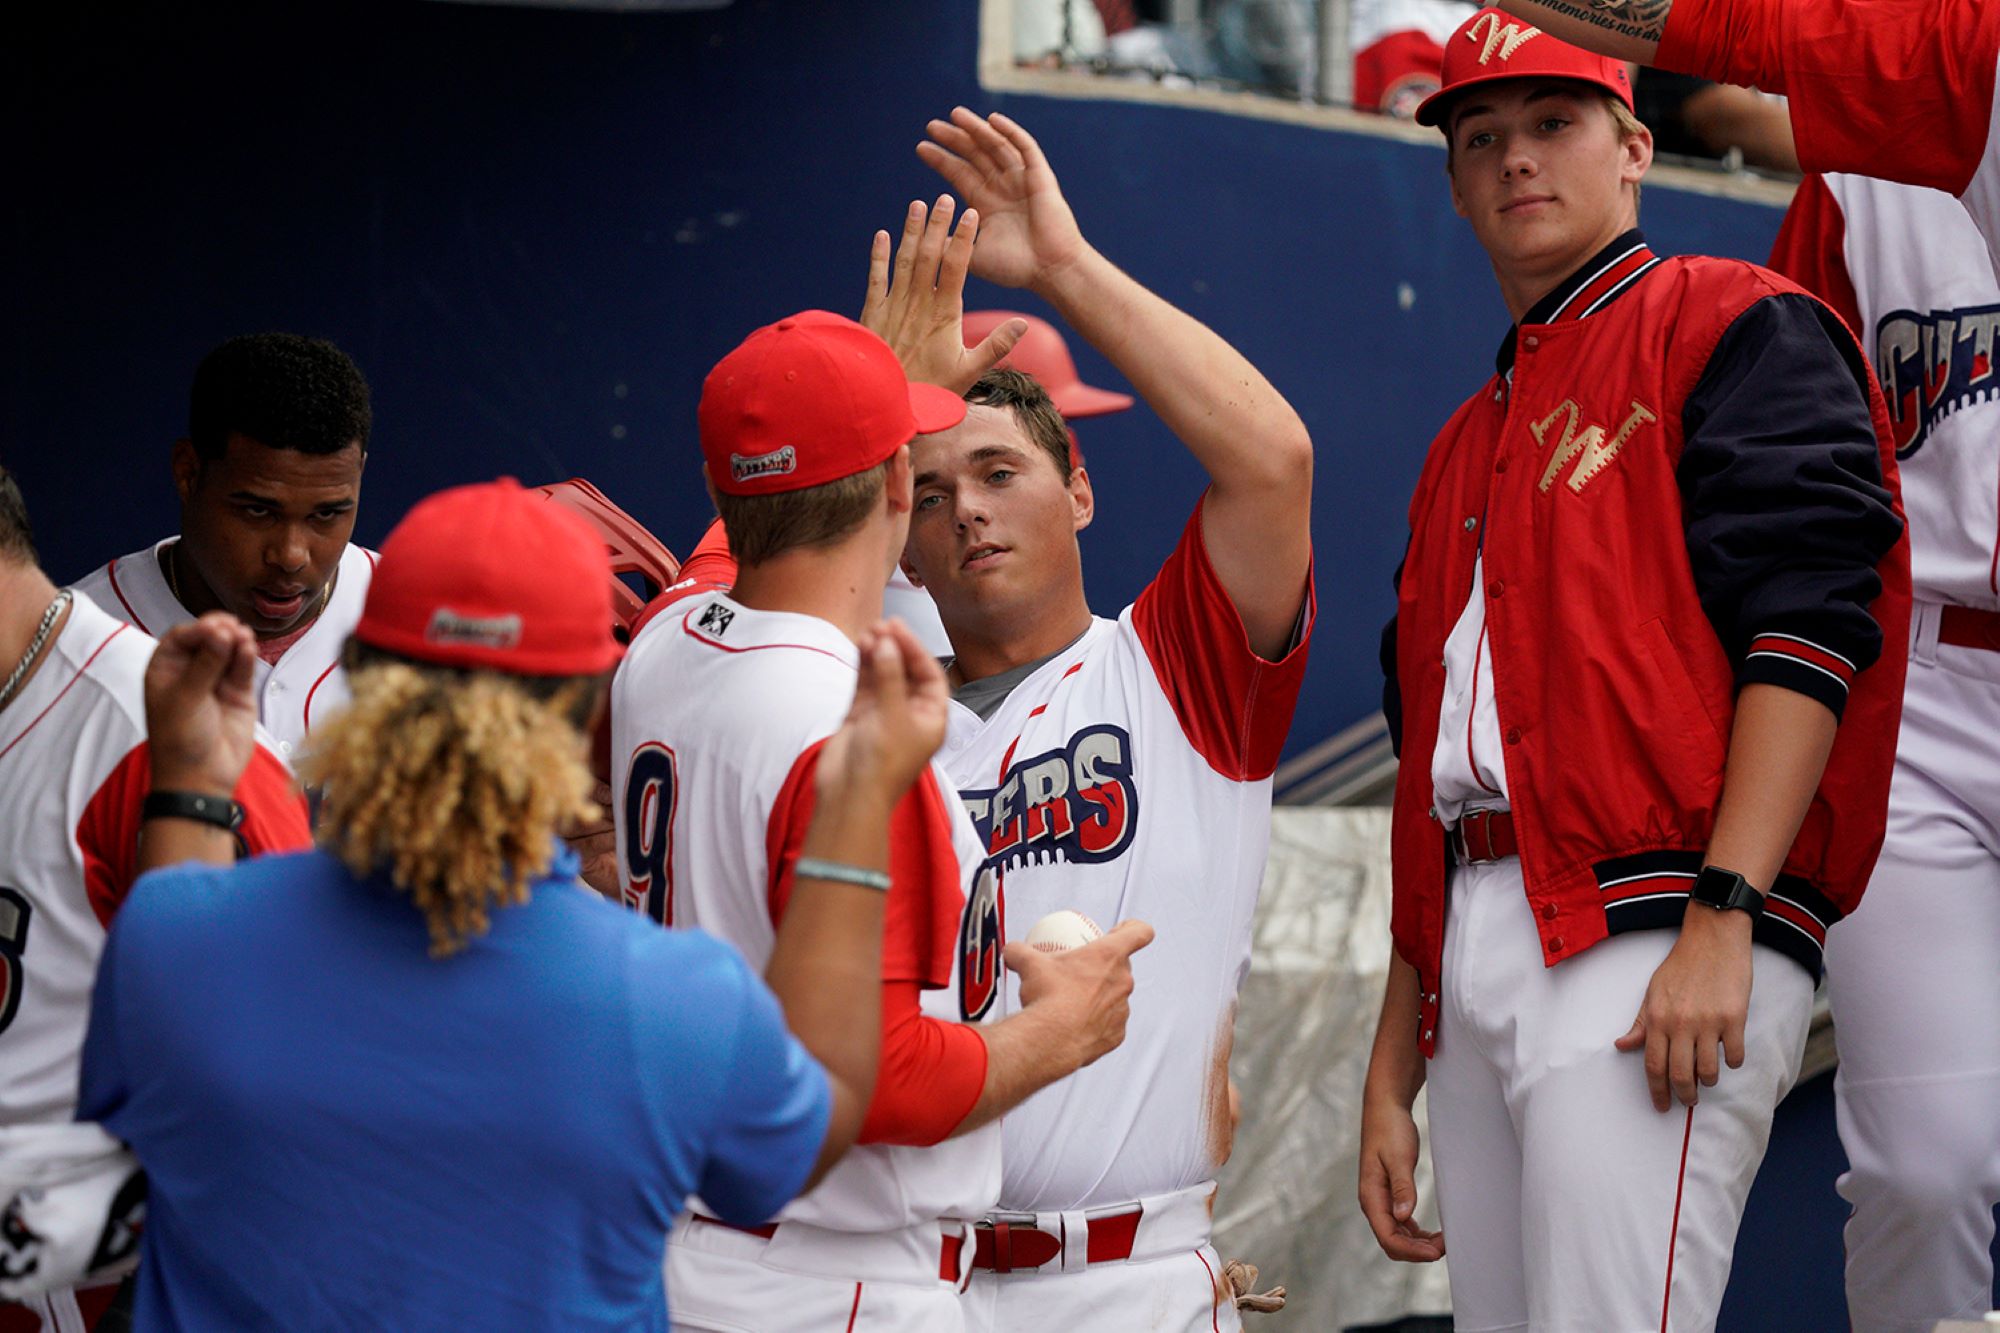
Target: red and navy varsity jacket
{"x":1681,"y":482}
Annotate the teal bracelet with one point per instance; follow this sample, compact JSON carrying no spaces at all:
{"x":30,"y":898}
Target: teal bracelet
{"x":812,"y":867}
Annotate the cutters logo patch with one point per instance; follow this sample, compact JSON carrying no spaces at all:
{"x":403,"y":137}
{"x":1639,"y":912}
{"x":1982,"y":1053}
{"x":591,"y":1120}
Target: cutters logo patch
{"x":1504,"y":38}
{"x":448,"y":626}
{"x":1932,"y":366}
{"x":777,"y":463}
{"x":715,"y":619}
{"x":981,"y":936}
{"x":1076,"y":803}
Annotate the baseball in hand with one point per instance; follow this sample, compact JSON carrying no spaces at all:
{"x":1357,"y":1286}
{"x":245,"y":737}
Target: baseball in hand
{"x":1061,"y":931}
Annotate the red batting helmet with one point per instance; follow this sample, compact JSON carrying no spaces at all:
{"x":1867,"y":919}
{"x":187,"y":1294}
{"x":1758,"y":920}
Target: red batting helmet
{"x":1043,"y":354}
{"x":633,"y":550}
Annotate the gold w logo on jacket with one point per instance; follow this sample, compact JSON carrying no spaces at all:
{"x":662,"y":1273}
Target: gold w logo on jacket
{"x":1588,"y":446}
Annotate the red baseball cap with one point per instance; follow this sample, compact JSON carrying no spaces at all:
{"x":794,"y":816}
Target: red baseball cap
{"x":1493,"y":45}
{"x":809,"y":400}
{"x":1043,"y":354}
{"x":493,"y":576}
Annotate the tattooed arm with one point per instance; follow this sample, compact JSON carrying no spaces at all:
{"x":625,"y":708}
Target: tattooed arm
{"x":1622,"y":29}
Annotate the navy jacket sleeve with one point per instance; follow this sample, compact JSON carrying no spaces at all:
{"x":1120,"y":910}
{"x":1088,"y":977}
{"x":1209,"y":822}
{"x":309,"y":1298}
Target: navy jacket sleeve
{"x":1392,"y":687}
{"x":1781,"y":487}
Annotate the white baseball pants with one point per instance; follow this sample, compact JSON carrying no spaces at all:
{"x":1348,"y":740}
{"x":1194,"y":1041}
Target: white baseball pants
{"x":1569,"y":1204}
{"x":1914,"y":977}
{"x":1172,"y":1283}
{"x":807,"y":1280}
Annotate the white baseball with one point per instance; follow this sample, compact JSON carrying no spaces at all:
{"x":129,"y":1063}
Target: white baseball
{"x":1061,"y":931}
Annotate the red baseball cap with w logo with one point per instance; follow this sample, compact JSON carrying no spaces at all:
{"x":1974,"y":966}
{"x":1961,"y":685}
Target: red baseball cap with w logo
{"x":1493,"y":45}
{"x":809,"y":400}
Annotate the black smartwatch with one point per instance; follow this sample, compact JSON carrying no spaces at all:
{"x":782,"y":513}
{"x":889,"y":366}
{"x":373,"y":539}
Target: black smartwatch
{"x":1724,"y":889}
{"x":218,"y":811}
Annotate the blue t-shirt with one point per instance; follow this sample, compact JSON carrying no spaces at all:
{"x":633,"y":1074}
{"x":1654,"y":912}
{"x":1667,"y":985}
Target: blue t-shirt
{"x":344,"y":1132}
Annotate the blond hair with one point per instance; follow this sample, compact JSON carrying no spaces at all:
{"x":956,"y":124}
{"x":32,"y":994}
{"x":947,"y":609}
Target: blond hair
{"x":454,"y":782}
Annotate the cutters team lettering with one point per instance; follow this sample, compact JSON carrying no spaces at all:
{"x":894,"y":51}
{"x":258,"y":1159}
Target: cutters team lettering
{"x":1932,"y":365}
{"x":1075,"y":803}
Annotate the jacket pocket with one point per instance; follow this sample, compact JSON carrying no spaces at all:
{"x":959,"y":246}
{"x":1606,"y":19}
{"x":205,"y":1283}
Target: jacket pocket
{"x":1682,"y":695}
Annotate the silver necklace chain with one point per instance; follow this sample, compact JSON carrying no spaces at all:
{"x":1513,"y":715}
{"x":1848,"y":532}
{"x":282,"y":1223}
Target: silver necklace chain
{"x":20,"y":673}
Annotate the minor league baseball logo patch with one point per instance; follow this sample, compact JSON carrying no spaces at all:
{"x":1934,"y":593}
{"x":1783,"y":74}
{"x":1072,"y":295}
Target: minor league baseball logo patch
{"x":448,"y":626}
{"x":777,"y":463}
{"x":715,"y":619}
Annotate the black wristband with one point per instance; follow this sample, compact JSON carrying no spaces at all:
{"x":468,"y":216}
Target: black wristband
{"x":1725,"y":890}
{"x":217,"y":811}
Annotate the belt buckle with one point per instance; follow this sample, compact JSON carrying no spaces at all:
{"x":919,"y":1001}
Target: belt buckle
{"x":1002,"y":1227}
{"x":1462,"y":842}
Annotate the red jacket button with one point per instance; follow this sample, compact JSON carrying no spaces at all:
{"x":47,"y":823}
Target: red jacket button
{"x":1548,"y":911}
{"x":1556,"y":944}
{"x":1513,"y":735}
{"x":1495,"y":588}
{"x":1500,"y":466}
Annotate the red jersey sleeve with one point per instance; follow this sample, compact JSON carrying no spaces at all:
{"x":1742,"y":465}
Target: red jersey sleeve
{"x":1234,"y":707}
{"x":1898,"y":89}
{"x":274,"y":820}
{"x":1811,"y":250}
{"x":709,"y":568}
{"x":920,"y":920}
{"x":929,"y":1076}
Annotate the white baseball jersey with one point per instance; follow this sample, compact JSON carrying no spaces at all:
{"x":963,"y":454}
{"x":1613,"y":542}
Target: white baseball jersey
{"x":1130,"y":776}
{"x":1909,"y":270}
{"x":717,"y":715}
{"x":307,"y":683}
{"x":74,"y":768}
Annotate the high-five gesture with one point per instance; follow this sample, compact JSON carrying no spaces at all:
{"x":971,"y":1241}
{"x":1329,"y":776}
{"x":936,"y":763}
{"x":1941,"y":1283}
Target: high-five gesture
{"x":921,"y":313}
{"x":998,"y":169}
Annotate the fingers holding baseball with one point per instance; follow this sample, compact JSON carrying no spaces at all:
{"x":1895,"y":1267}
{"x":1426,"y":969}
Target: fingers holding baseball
{"x":1085,"y":991}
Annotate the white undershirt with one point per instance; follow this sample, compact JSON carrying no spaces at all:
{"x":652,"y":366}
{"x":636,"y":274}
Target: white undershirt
{"x":1467,"y":768}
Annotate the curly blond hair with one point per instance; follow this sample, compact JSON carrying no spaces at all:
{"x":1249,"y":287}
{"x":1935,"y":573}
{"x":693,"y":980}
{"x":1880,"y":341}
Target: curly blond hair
{"x":455,"y":782}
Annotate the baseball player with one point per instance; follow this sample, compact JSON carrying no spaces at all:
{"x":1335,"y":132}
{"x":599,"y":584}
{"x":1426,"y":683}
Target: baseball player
{"x":718,"y":715}
{"x":1041,"y":353}
{"x":1911,"y":976}
{"x":1897,"y":89}
{"x":1645,"y":755}
{"x":1114,"y":767}
{"x":79,"y":780}
{"x":269,"y":477}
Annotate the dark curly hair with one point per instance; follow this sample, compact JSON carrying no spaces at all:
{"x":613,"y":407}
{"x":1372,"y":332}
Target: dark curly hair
{"x":281,"y":390}
{"x":17,"y":539}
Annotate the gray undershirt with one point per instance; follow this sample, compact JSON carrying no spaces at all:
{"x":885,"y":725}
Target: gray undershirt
{"x":985,"y":695}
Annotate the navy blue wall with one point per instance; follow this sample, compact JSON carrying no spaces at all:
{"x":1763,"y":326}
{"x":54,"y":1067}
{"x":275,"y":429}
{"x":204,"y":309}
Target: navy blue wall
{"x":536,"y":231}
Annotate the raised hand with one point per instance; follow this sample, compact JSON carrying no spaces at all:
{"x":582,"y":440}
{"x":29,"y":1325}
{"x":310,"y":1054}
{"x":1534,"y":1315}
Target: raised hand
{"x":921,"y":311}
{"x":998,"y":169}
{"x":201,"y":705}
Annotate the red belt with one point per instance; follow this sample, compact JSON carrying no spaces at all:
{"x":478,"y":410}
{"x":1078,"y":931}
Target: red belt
{"x":1011,"y":1241}
{"x":1968,"y":627}
{"x":1484,"y":836}
{"x":954,"y":1242}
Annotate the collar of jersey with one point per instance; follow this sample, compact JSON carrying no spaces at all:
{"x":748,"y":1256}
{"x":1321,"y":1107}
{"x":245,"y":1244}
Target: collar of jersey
{"x":1630,"y":246}
{"x":750,"y":628}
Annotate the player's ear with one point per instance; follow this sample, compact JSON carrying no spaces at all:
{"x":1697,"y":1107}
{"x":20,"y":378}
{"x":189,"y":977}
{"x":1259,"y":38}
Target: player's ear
{"x":1082,"y":500}
{"x":909,"y":570}
{"x":896,"y":481}
{"x":186,"y":466}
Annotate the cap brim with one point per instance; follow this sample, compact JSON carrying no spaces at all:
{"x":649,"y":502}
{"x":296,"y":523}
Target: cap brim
{"x":1080,"y":400}
{"x":935,"y":409}
{"x":1433,"y":109}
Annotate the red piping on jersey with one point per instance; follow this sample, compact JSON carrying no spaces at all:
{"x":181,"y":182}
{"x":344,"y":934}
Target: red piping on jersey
{"x":1035,"y":712}
{"x":308,"y":711}
{"x":118,"y":592}
{"x":371,"y":558}
{"x":1472,"y":762}
{"x":759,"y":647}
{"x":856,"y":1310}
{"x":1673,"y":1236}
{"x":65,"y":689}
{"x":1214,"y":1293}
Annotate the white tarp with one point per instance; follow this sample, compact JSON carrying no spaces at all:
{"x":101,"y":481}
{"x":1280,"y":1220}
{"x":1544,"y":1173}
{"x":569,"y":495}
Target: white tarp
{"x":1319,"y":958}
